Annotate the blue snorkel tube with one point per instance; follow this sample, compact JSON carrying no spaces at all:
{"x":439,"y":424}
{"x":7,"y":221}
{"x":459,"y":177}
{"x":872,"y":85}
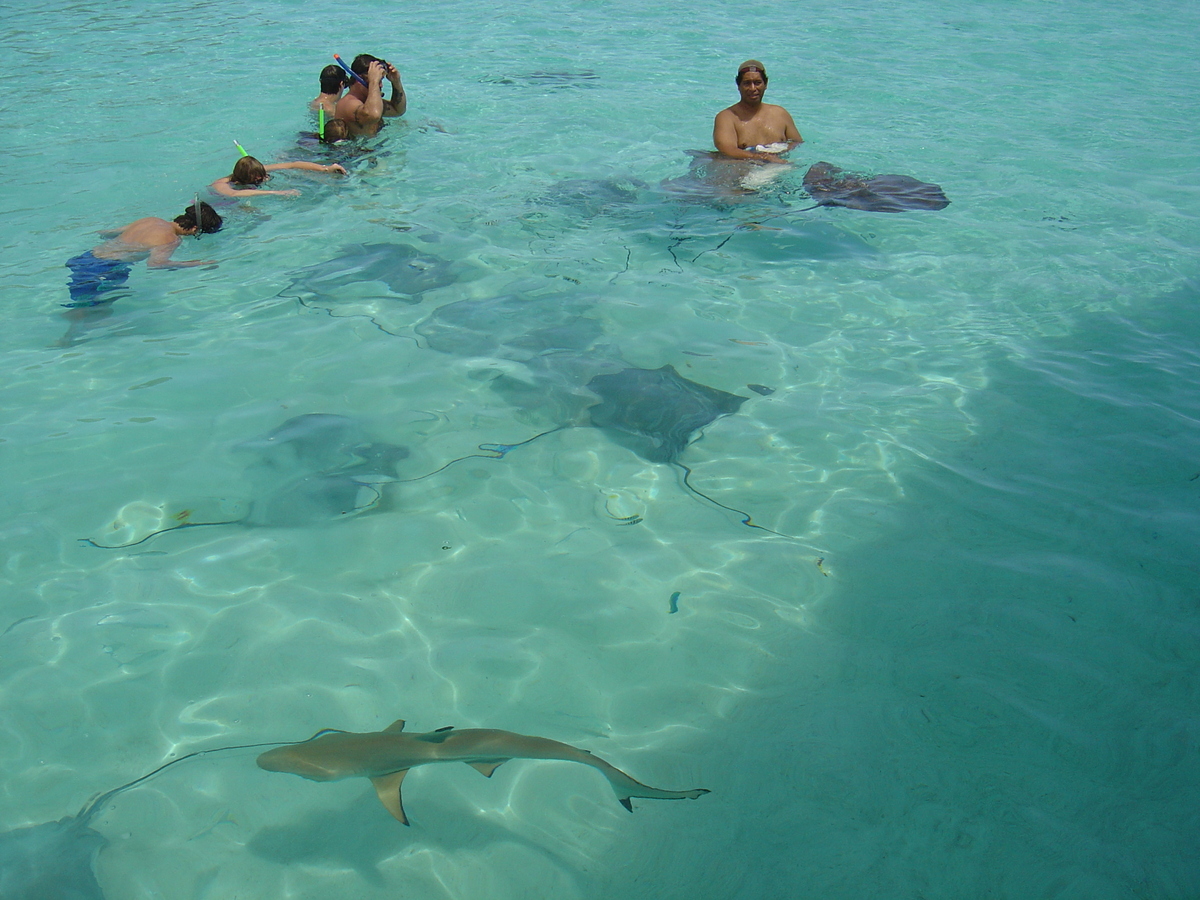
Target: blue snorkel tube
{"x":337,"y":59}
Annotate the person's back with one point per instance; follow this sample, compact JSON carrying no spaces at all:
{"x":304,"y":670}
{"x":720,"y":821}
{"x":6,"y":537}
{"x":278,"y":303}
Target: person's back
{"x":333,"y":82}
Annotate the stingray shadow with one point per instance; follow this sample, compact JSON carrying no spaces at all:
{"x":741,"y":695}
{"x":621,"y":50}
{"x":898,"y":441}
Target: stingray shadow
{"x":404,"y":271}
{"x":313,"y":468}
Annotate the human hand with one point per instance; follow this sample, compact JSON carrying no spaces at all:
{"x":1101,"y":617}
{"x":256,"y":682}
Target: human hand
{"x":336,"y":167}
{"x":375,"y":72}
{"x":288,"y":193}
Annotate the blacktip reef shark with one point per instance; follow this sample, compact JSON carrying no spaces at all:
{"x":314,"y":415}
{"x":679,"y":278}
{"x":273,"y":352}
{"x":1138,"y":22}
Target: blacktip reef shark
{"x":386,"y":756}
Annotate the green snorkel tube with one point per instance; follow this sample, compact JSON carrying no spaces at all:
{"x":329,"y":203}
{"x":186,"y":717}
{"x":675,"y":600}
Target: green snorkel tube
{"x":241,"y":149}
{"x":196,"y":213}
{"x":321,"y":122}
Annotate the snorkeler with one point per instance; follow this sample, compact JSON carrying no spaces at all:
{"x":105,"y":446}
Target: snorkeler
{"x":751,"y":129}
{"x":252,"y":173}
{"x":333,"y":82}
{"x":106,"y":267}
{"x":363,"y":107}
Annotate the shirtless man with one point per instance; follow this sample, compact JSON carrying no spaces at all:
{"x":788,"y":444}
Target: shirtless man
{"x":333,"y":82}
{"x":363,"y":107}
{"x":106,"y":267}
{"x":751,"y":129}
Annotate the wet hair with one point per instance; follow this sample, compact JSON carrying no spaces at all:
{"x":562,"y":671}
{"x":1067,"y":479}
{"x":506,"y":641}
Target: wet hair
{"x":209,"y":220}
{"x":333,"y":79}
{"x":751,"y":65}
{"x":335,"y":130}
{"x":362,"y":62}
{"x":248,"y":170}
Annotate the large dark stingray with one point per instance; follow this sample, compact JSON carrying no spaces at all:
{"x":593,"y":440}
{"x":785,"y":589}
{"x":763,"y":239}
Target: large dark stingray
{"x":831,"y":186}
{"x":655,"y":412}
{"x":313,"y":468}
{"x":56,"y":860}
{"x":406,"y":271}
{"x":588,"y":198}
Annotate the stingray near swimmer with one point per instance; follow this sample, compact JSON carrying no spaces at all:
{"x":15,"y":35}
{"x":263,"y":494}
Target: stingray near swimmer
{"x":831,"y":186}
{"x":313,"y":468}
{"x":407,"y":272}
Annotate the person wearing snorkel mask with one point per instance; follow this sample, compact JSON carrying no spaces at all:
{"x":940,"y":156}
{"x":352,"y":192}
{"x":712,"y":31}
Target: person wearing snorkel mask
{"x":363,"y":107}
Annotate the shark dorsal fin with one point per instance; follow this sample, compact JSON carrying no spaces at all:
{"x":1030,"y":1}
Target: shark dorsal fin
{"x":395,"y":728}
{"x":487,"y":768}
{"x":388,"y":789}
{"x":434,"y":737}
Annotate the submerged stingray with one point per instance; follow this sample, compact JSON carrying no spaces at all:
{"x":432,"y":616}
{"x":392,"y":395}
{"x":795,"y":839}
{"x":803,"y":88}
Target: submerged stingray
{"x":831,"y":186}
{"x":56,"y":860}
{"x":313,"y":468}
{"x":591,"y":197}
{"x":406,"y":272}
{"x":546,"y":79}
{"x":512,"y":326}
{"x":655,"y":412}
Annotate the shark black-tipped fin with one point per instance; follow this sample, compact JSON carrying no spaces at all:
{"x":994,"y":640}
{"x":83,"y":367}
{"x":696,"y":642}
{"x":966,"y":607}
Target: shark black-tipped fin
{"x":388,"y":789}
{"x":487,"y":768}
{"x":625,"y":802}
{"x":434,"y":737}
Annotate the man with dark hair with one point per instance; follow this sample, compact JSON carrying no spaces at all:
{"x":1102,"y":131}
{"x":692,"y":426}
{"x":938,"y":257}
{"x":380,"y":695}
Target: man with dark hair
{"x":751,"y":129}
{"x":363,"y":107}
{"x":106,"y":267}
{"x":333,"y":82}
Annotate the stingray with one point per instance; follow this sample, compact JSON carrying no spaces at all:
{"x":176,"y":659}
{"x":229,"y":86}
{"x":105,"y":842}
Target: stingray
{"x":831,"y":186}
{"x":57,"y":860}
{"x":406,"y":272}
{"x":311,"y":469}
{"x":592,"y":197}
{"x":655,"y":412}
{"x":546,"y":79}
{"x":512,"y":326}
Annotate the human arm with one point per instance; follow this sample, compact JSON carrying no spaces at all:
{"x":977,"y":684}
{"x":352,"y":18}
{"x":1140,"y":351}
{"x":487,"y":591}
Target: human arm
{"x":160,"y":258}
{"x":398,"y":103}
{"x":306,"y":166}
{"x":370,"y":112}
{"x":225,"y":188}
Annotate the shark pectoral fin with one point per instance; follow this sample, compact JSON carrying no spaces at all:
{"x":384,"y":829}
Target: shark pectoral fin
{"x":434,"y":737}
{"x":625,"y":803}
{"x":395,"y":727}
{"x":487,"y":768}
{"x":388,"y":789}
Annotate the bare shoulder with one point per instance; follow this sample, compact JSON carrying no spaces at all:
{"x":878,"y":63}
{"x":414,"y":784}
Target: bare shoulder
{"x":148,"y":232}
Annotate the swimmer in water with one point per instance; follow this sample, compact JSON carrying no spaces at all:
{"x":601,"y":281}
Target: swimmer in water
{"x":252,"y":173}
{"x":98,"y":274}
{"x":333,"y":81}
{"x":751,"y":129}
{"x":364,"y":108}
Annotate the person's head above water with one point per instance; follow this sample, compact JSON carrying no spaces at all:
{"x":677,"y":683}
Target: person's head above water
{"x":209,"y":220}
{"x":362,"y":63}
{"x":333,"y":79}
{"x":751,"y":65}
{"x":335,"y":130}
{"x":248,"y":170}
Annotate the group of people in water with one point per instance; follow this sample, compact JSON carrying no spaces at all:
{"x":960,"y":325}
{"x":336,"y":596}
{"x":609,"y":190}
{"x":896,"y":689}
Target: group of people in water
{"x":351,"y":105}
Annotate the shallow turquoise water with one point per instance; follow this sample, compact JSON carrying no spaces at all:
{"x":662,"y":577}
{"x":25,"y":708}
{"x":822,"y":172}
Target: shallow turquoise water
{"x":983,"y":425}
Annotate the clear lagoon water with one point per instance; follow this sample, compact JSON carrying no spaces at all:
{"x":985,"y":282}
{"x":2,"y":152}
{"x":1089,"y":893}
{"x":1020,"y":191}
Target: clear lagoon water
{"x":957,"y":659}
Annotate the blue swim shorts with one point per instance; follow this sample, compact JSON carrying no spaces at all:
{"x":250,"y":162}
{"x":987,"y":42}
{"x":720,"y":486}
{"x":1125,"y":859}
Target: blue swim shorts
{"x":92,"y":277}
